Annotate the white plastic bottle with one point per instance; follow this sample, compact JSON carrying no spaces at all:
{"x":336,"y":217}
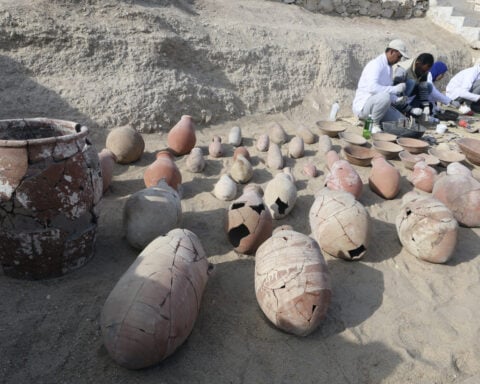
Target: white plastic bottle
{"x":333,"y":111}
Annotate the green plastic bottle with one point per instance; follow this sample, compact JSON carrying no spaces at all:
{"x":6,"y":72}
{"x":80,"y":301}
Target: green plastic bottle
{"x":367,"y":127}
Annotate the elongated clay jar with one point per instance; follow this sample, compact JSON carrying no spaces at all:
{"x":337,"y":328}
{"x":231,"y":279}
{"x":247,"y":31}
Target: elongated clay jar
{"x":384,"y":178}
{"x":306,"y":134}
{"x":249,"y":222}
{"x":296,"y":148}
{"x":274,"y":156}
{"x":426,"y":228}
{"x":281,"y":194}
{"x":263,"y":142}
{"x":461,"y":194}
{"x":241,"y":170}
{"x":423,"y":176}
{"x":126,"y":144}
{"x":181,"y":138}
{"x":277,"y":133}
{"x":292,"y":281}
{"x":215,"y":148}
{"x":235,"y":136}
{"x":343,"y":177}
{"x":153,"y":307}
{"x":195,"y":161}
{"x":50,"y":184}
{"x":225,"y":188}
{"x":340,"y":224}
{"x":163,"y":167}
{"x":151,"y":212}
{"x":107,"y":163}
{"x":324,"y":144}
{"x":331,"y":157}
{"x":242,"y":151}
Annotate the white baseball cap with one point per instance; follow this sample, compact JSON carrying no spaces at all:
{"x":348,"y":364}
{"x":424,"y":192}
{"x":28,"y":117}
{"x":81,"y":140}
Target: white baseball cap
{"x":399,"y":45}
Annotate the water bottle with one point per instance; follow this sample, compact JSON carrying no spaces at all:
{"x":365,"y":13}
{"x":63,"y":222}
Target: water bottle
{"x":333,"y":111}
{"x":367,"y":127}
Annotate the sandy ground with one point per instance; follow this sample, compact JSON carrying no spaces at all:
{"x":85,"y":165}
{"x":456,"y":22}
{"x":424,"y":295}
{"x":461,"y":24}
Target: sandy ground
{"x":393,"y":318}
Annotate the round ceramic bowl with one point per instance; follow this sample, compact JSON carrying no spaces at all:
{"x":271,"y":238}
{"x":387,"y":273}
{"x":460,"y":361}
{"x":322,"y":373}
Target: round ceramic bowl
{"x":410,"y":159}
{"x":352,"y":138}
{"x":330,"y":128}
{"x":358,"y":155}
{"x":446,"y":156}
{"x":412,"y":145}
{"x":471,"y":149}
{"x":384,"y":136}
{"x":388,"y":149}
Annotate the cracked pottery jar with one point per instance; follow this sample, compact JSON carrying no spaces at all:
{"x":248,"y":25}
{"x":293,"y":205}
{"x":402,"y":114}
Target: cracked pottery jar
{"x":50,"y":183}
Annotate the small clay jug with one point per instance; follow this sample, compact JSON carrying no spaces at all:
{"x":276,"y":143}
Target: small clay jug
{"x":310,"y":170}
{"x":241,"y":170}
{"x":181,"y":138}
{"x":274,"y":156}
{"x":107,"y":162}
{"x":235,"y":136}
{"x":384,"y":179}
{"x":241,"y":151}
{"x":263,"y":142}
{"x":126,"y":144}
{"x":215,"y":147}
{"x":296,"y":148}
{"x":163,"y":167}
{"x":306,"y":134}
{"x":332,"y":157}
{"x":277,"y":133}
{"x":195,"y":161}
{"x":324,"y":144}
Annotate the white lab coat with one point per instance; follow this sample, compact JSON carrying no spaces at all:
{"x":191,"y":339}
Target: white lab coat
{"x":460,"y":84}
{"x":376,"y":77}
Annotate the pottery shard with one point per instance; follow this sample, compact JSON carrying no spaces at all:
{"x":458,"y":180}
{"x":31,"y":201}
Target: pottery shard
{"x":292,"y":281}
{"x":340,"y":224}
{"x":13,"y":167}
{"x":427,"y":229}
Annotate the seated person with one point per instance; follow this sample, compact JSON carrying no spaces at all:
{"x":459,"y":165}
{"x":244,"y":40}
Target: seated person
{"x":437,"y":72}
{"x":414,"y":73}
{"x":464,"y":87}
{"x":375,"y":91}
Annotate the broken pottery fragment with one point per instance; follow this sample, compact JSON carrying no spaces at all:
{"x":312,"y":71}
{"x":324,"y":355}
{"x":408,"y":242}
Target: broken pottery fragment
{"x":249,"y":222}
{"x":241,"y":170}
{"x":235,"y":136}
{"x":281,"y":194}
{"x":153,"y":307}
{"x":263,"y":142}
{"x":343,"y":177}
{"x":296,"y":148}
{"x":461,"y":194}
{"x":215,"y":148}
{"x":274,"y":156}
{"x":195,"y":161}
{"x":292,"y":281}
{"x":225,"y":188}
{"x":163,"y":167}
{"x":126,"y":144}
{"x":151,"y":212}
{"x":426,"y":228}
{"x":181,"y":138}
{"x":50,"y":184}
{"x":340,"y":224}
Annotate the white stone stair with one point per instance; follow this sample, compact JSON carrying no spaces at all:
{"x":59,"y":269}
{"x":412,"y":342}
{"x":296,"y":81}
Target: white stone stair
{"x":443,"y":15}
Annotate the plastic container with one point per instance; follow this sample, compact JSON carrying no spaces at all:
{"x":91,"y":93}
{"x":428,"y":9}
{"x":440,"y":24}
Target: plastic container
{"x":334,"y":111}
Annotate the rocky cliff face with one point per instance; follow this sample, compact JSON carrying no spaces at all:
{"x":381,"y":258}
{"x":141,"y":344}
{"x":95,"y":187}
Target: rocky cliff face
{"x":106,"y":63}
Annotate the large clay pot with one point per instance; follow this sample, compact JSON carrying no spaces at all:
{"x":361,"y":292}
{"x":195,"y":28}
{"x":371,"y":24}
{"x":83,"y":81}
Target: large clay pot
{"x":340,"y":224}
{"x":427,"y":228}
{"x":107,"y":162}
{"x":50,"y":183}
{"x":292,"y":281}
{"x":249,"y":222}
{"x":423,"y":176}
{"x":126,"y":144}
{"x":181,"y":138}
{"x":163,"y":167}
{"x":384,"y":178}
{"x":343,"y":177}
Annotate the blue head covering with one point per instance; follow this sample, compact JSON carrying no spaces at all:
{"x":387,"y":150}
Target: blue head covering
{"x":438,"y":68}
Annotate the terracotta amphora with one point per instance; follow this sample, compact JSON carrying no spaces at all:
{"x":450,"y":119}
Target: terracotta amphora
{"x":163,"y":167}
{"x":181,"y":138}
{"x":384,"y":179}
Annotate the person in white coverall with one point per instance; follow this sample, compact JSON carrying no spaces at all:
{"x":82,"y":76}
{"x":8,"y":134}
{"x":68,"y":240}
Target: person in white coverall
{"x":376,"y":95}
{"x":464,"y":87}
